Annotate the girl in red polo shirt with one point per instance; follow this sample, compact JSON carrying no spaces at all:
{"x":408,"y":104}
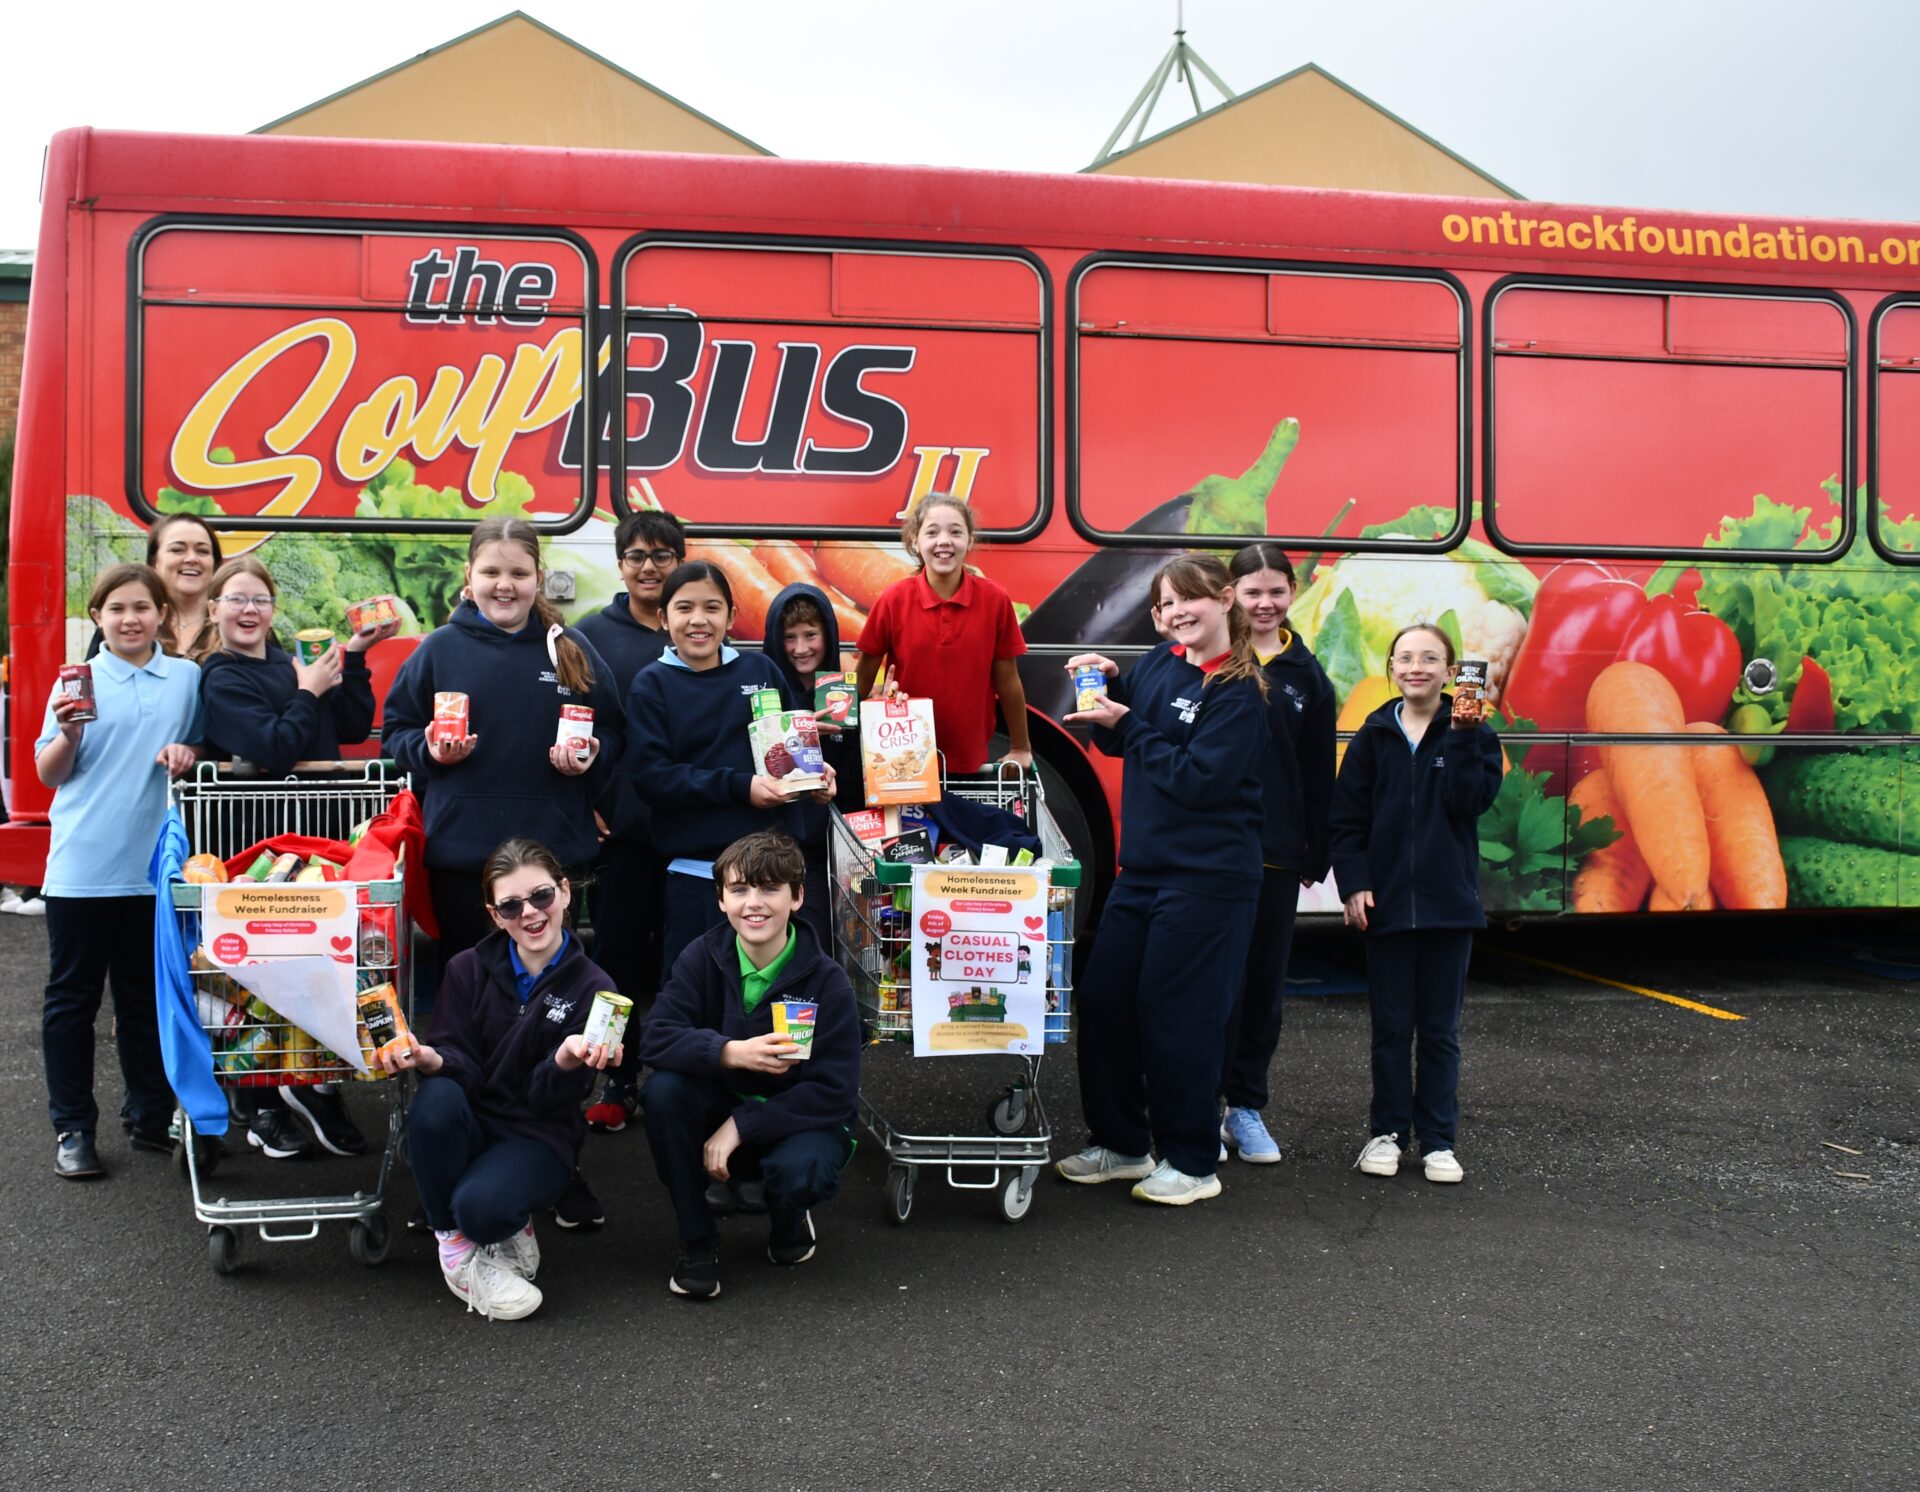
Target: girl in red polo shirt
{"x":951,"y":637}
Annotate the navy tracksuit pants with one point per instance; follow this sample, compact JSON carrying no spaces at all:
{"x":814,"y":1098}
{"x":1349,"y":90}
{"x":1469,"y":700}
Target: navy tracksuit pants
{"x":485,"y":1183}
{"x":1416,"y":984}
{"x":92,"y":940}
{"x":683,"y":1111}
{"x":1253,"y":1029}
{"x":1153,"y":1005}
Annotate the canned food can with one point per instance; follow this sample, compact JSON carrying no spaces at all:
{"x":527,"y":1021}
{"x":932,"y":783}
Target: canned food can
{"x":575,"y":733}
{"x":377,"y":937}
{"x":386,"y":1024}
{"x":76,"y":683}
{"x":284,"y":868}
{"x":451,"y":719}
{"x":364,"y":616}
{"x":310,"y":642}
{"x":607,"y":1018}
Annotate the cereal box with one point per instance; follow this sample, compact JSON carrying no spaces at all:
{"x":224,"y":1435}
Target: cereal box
{"x":897,"y":751}
{"x":786,"y":747}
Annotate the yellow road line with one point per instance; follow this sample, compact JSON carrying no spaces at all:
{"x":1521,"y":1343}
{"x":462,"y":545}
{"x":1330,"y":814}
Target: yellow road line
{"x":1637,"y":989}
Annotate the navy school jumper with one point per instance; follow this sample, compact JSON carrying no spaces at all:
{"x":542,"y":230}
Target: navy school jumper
{"x":1296,"y":771}
{"x":1173,"y":940}
{"x":508,"y":788}
{"x":257,"y":712}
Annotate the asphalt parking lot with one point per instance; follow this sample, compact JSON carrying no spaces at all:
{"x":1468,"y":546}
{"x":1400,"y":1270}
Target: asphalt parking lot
{"x":1662,"y":1270}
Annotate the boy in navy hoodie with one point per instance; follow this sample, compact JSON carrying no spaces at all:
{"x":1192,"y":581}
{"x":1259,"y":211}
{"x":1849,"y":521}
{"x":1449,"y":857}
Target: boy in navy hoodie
{"x":629,"y":632}
{"x":728,"y":1096}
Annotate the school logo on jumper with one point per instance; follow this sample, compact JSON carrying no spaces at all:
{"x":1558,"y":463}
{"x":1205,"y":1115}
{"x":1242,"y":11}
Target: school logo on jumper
{"x":558,"y":1010}
{"x":1294,"y":697}
{"x":1188,"y":708}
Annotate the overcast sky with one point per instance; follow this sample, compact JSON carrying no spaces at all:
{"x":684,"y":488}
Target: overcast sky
{"x":1782,"y":107}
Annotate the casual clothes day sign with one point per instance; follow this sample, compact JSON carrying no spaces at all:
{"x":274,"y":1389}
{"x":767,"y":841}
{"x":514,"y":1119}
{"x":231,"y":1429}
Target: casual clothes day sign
{"x":980,"y":960}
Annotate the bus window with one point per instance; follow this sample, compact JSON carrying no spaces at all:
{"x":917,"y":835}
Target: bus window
{"x":837,"y":383}
{"x":1636,"y":421}
{"x":1260,"y":402}
{"x":1895,"y":437}
{"x":356,"y":376}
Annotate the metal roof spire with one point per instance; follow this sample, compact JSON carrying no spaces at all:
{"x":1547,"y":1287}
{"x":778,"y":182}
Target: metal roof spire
{"x":1181,"y":61}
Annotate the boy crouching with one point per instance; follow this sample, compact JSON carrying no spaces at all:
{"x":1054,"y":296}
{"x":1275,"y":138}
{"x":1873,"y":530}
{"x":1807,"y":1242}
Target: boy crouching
{"x":731,"y":1097}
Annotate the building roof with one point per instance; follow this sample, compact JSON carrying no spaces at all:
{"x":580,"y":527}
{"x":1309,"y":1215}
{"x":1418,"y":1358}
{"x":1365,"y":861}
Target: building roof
{"x":1132,"y":161}
{"x":486,"y":110}
{"x":16,"y":271}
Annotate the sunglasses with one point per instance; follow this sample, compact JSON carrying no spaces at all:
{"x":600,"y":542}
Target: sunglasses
{"x":663,"y":559}
{"x":511,"y":908}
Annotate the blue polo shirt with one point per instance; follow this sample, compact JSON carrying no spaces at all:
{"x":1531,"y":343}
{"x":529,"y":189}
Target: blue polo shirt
{"x":523,"y":982}
{"x":107,"y":814}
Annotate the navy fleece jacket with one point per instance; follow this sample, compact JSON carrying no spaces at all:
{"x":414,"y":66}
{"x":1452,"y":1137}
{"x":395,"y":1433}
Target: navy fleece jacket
{"x":842,"y":751}
{"x":257,"y":711}
{"x":1296,"y":771}
{"x":1190,"y":792}
{"x":508,"y":787}
{"x":628,"y":647}
{"x":500,"y":1051}
{"x":690,"y":758}
{"x":1404,"y":820}
{"x":699,"y":1010}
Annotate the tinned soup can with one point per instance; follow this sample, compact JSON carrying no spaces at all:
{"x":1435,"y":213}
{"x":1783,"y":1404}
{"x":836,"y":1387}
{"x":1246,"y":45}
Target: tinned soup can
{"x":607,"y":1019}
{"x":76,"y":682}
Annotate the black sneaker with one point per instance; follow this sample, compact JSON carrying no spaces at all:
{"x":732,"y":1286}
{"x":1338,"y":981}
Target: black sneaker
{"x":791,"y":1239}
{"x":273,"y":1131}
{"x":325,"y":1113}
{"x":697,"y":1275}
{"x":578,"y":1207}
{"x":156,"y":1140}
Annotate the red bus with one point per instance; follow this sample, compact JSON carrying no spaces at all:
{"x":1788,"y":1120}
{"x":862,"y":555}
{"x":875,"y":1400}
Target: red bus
{"x":1571,"y":436}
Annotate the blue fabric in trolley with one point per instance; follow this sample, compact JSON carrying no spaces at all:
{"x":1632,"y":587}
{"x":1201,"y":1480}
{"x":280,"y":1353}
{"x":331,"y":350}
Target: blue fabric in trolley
{"x":184,"y":1047}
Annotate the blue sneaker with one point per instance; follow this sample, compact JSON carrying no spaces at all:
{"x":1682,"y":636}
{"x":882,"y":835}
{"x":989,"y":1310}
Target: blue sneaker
{"x":1247,"y":1133}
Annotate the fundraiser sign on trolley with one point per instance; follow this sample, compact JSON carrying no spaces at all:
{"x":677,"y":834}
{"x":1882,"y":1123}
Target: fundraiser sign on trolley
{"x":980,"y":960}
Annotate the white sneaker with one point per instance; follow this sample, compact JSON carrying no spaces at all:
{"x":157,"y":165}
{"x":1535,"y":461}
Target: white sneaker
{"x":1097,"y":1163}
{"x":520,"y":1253}
{"x":1174,"y":1188}
{"x":489,"y":1287}
{"x":1441,"y":1166}
{"x":1380,"y":1157}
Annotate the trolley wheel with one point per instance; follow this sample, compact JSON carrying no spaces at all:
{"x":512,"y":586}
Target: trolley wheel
{"x":899,"y":1197}
{"x":1016,"y":1197}
{"x":1008,"y":1116}
{"x":370,"y":1239}
{"x":223,"y":1249}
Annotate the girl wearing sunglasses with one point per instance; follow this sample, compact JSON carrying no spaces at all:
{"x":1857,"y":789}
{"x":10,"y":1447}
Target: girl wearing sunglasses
{"x":494,"y":1130}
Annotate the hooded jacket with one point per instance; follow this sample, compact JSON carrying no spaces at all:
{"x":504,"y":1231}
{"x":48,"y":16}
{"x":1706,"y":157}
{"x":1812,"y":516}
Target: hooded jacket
{"x":691,"y":761}
{"x":842,"y":751}
{"x":508,"y":788}
{"x":628,"y":647}
{"x":500,"y":1051}
{"x":1404,"y":820}
{"x":699,"y":1010}
{"x":1296,"y":771}
{"x":257,"y":712}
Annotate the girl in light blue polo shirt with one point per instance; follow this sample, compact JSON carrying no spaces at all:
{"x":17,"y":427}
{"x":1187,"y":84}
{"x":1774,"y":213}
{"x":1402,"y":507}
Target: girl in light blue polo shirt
{"x":111,"y":779}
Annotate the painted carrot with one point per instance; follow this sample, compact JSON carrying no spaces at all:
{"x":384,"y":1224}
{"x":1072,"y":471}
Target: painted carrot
{"x":1748,"y":872}
{"x":753,"y":588}
{"x":1653,"y":783}
{"x":1613,"y":879}
{"x":862,"y":570}
{"x":1661,"y":902}
{"x":789,"y":564}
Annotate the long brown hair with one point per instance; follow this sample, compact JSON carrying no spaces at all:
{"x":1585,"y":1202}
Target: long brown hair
{"x":211,"y":641}
{"x":917,"y":515}
{"x":570,"y":660}
{"x":511,"y":855}
{"x":1200,"y":577}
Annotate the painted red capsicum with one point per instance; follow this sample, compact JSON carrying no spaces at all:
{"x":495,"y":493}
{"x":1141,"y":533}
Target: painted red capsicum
{"x":1697,"y":652}
{"x":1812,"y":707}
{"x":1581,"y":616}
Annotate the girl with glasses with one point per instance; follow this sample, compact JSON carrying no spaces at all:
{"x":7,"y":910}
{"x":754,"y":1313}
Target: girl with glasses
{"x":270,"y":713}
{"x":494,"y":1130}
{"x":1417,"y":776}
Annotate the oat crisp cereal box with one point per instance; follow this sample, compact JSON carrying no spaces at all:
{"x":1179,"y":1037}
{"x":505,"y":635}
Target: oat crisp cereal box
{"x":897,"y":751}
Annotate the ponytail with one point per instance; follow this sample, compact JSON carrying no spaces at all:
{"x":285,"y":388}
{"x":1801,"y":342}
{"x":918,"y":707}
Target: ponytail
{"x":570,"y":664}
{"x":1202,"y":576}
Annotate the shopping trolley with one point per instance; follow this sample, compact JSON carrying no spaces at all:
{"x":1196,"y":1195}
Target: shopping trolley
{"x":254,"y":1048}
{"x":871,"y":911}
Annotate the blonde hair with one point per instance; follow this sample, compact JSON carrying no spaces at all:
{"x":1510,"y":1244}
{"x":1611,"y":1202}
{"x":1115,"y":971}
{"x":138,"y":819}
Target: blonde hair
{"x":1201,"y":577}
{"x":917,"y":515}
{"x":571,"y":665}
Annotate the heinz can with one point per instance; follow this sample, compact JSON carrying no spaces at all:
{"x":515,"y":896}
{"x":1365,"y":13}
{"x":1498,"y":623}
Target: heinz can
{"x":387,"y":1031}
{"x":310,"y":642}
{"x":76,"y":682}
{"x":607,"y":1018}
